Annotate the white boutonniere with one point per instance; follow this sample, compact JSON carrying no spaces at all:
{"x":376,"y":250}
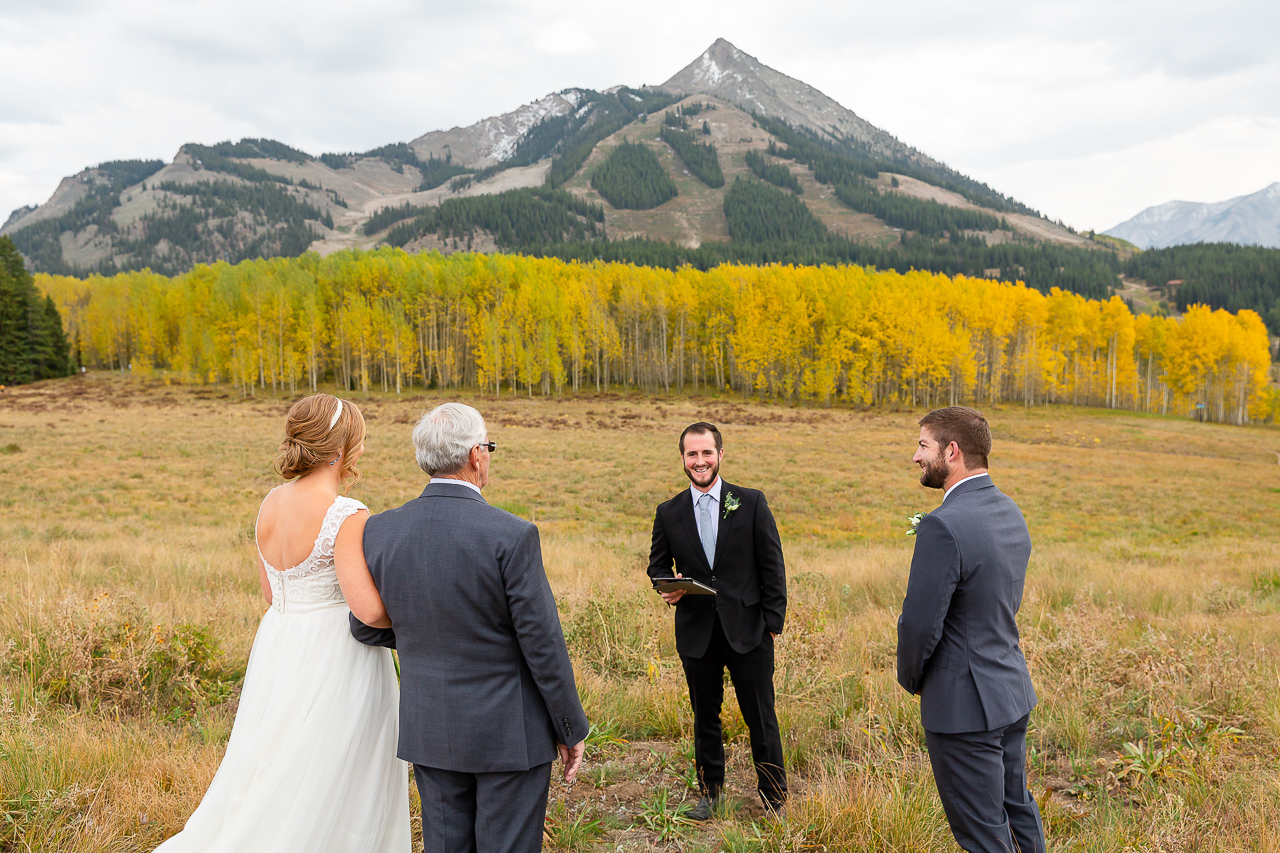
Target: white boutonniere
{"x":915,"y":519}
{"x":731,"y":503}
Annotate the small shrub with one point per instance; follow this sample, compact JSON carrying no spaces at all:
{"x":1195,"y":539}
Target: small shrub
{"x":572,"y":832}
{"x":613,"y":635}
{"x":107,"y":652}
{"x":661,"y":817}
{"x":10,"y":449}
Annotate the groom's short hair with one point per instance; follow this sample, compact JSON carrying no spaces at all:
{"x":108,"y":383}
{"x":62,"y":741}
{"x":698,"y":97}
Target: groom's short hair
{"x":444,"y":438}
{"x":966,"y":427}
{"x":702,"y":428}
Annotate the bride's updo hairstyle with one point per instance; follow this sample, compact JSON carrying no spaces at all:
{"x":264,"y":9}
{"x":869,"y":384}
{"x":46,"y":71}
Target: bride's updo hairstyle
{"x":312,"y":436}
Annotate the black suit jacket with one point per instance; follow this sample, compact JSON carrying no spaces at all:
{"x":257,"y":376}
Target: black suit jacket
{"x":748,"y":572}
{"x":958,"y":634}
{"x":486,"y":683}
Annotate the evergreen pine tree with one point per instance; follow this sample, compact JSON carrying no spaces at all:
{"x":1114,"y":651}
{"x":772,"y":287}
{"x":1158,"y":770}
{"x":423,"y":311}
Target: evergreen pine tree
{"x":59,"y":348}
{"x":32,"y":343}
{"x":15,"y":354}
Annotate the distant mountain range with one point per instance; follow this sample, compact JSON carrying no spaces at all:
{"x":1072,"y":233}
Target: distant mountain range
{"x":527,"y":181}
{"x":1245,"y":220}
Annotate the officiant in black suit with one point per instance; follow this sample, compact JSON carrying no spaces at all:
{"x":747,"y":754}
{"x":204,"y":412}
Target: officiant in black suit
{"x":724,"y":536}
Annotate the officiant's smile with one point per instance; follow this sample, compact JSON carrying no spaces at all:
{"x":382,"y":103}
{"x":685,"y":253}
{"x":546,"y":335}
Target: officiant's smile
{"x":701,"y":460}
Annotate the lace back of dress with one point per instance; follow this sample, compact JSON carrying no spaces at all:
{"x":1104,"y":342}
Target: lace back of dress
{"x":314,"y":580}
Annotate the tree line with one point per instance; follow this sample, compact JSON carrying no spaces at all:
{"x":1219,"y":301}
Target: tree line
{"x":631,"y":178}
{"x":850,"y":177}
{"x":758,"y":213}
{"x":1222,"y":275}
{"x":700,"y":157}
{"x":924,"y":216}
{"x":608,"y":114}
{"x":775,"y":173}
{"x":507,"y":324}
{"x":515,"y":218}
{"x":855,"y":157}
{"x":33,"y":345}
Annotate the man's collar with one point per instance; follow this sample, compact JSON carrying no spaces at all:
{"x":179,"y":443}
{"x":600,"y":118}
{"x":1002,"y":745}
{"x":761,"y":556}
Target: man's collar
{"x":714,"y":491}
{"x":450,"y":481}
{"x":965,"y":480}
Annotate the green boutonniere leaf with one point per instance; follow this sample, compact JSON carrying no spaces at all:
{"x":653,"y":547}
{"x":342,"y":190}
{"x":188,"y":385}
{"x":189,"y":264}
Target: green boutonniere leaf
{"x":915,"y":519}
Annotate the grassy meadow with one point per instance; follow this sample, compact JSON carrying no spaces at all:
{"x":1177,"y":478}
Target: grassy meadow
{"x":129,"y":599}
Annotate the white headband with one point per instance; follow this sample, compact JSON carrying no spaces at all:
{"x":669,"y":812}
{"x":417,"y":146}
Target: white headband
{"x":337,"y":414}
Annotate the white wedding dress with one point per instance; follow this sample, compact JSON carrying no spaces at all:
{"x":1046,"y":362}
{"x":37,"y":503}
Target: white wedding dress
{"x":311,"y":764}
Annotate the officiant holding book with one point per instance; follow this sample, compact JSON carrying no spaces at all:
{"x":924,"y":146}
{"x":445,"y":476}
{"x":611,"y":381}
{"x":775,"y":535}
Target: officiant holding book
{"x":723,"y":537}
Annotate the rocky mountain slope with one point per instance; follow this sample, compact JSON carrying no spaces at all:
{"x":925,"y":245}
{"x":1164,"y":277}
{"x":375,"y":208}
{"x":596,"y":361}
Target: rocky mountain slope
{"x":261,"y":198}
{"x":1246,"y":220}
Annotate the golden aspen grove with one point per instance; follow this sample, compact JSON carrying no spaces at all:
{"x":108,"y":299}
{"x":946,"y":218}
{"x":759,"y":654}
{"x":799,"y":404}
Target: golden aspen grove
{"x":519,"y":325}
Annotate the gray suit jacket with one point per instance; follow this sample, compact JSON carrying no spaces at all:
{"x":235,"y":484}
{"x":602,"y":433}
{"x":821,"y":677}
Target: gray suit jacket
{"x":486,"y":684}
{"x":958,"y":634}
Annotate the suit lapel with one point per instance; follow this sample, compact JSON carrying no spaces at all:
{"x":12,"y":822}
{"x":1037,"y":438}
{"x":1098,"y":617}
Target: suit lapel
{"x":726,"y":522}
{"x":684,"y":508}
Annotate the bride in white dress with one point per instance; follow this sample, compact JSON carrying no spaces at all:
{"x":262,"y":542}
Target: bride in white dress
{"x":311,"y":764}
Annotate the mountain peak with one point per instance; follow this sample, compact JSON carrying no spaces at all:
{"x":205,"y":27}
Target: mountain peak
{"x":724,"y":71}
{"x":1247,"y":219}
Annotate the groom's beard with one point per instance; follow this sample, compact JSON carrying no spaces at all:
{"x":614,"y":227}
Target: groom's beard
{"x":704,"y":480}
{"x":934,"y":473}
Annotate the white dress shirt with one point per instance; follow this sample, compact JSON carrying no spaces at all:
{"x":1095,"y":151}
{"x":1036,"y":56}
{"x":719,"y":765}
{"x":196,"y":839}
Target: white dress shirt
{"x":449,"y":481}
{"x":714,"y":491}
{"x":948,"y":491}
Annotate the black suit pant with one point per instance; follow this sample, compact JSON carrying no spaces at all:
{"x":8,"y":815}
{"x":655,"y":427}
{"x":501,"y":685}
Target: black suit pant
{"x":482,"y":812}
{"x":982,"y":780}
{"x":752,"y":676}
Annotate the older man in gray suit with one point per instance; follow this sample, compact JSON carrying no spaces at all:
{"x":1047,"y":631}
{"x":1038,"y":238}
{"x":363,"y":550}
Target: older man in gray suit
{"x":958,"y":639}
{"x":487,"y":695}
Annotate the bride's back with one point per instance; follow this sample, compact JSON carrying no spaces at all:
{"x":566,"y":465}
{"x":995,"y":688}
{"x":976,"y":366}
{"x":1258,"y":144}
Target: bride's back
{"x":290,"y":523}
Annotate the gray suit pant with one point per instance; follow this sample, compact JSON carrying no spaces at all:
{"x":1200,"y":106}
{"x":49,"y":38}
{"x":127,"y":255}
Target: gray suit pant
{"x":482,"y":812}
{"x":982,"y":780}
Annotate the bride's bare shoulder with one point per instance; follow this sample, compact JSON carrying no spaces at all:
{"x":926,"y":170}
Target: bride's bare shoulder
{"x":289,"y":503}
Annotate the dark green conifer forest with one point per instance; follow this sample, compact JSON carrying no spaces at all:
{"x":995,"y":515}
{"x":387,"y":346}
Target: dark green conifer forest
{"x":775,"y":173}
{"x":631,"y":178}
{"x":1220,"y":275}
{"x":700,"y":157}
{"x":32,"y":343}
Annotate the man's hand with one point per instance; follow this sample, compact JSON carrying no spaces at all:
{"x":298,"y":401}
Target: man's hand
{"x":673,"y":597}
{"x":572,"y":758}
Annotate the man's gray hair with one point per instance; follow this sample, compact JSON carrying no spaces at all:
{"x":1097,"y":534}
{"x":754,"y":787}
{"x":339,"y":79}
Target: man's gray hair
{"x":443,"y":439}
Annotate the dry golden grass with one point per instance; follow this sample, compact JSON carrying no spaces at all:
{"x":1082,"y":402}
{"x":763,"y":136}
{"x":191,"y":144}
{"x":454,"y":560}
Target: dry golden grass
{"x":1150,"y":617}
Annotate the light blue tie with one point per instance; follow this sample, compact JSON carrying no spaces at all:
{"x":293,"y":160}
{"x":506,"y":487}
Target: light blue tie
{"x":705,"y":530}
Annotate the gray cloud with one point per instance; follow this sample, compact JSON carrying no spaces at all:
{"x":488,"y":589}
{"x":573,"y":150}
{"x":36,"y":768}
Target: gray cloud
{"x":1035,"y":95}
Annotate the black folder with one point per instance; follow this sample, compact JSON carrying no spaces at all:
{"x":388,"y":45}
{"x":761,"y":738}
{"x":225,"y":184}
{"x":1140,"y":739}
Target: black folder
{"x":689,"y":587}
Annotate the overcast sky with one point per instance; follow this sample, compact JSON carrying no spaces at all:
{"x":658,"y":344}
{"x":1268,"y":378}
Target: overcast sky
{"x":1088,"y":111}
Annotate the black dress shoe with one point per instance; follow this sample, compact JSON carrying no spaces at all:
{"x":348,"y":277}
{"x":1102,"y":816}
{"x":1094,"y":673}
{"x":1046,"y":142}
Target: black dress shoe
{"x":703,"y":811}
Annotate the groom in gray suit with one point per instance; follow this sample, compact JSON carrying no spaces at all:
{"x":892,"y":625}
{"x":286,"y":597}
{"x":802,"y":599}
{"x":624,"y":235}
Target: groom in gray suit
{"x":958,"y":639}
{"x":487,"y":694}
